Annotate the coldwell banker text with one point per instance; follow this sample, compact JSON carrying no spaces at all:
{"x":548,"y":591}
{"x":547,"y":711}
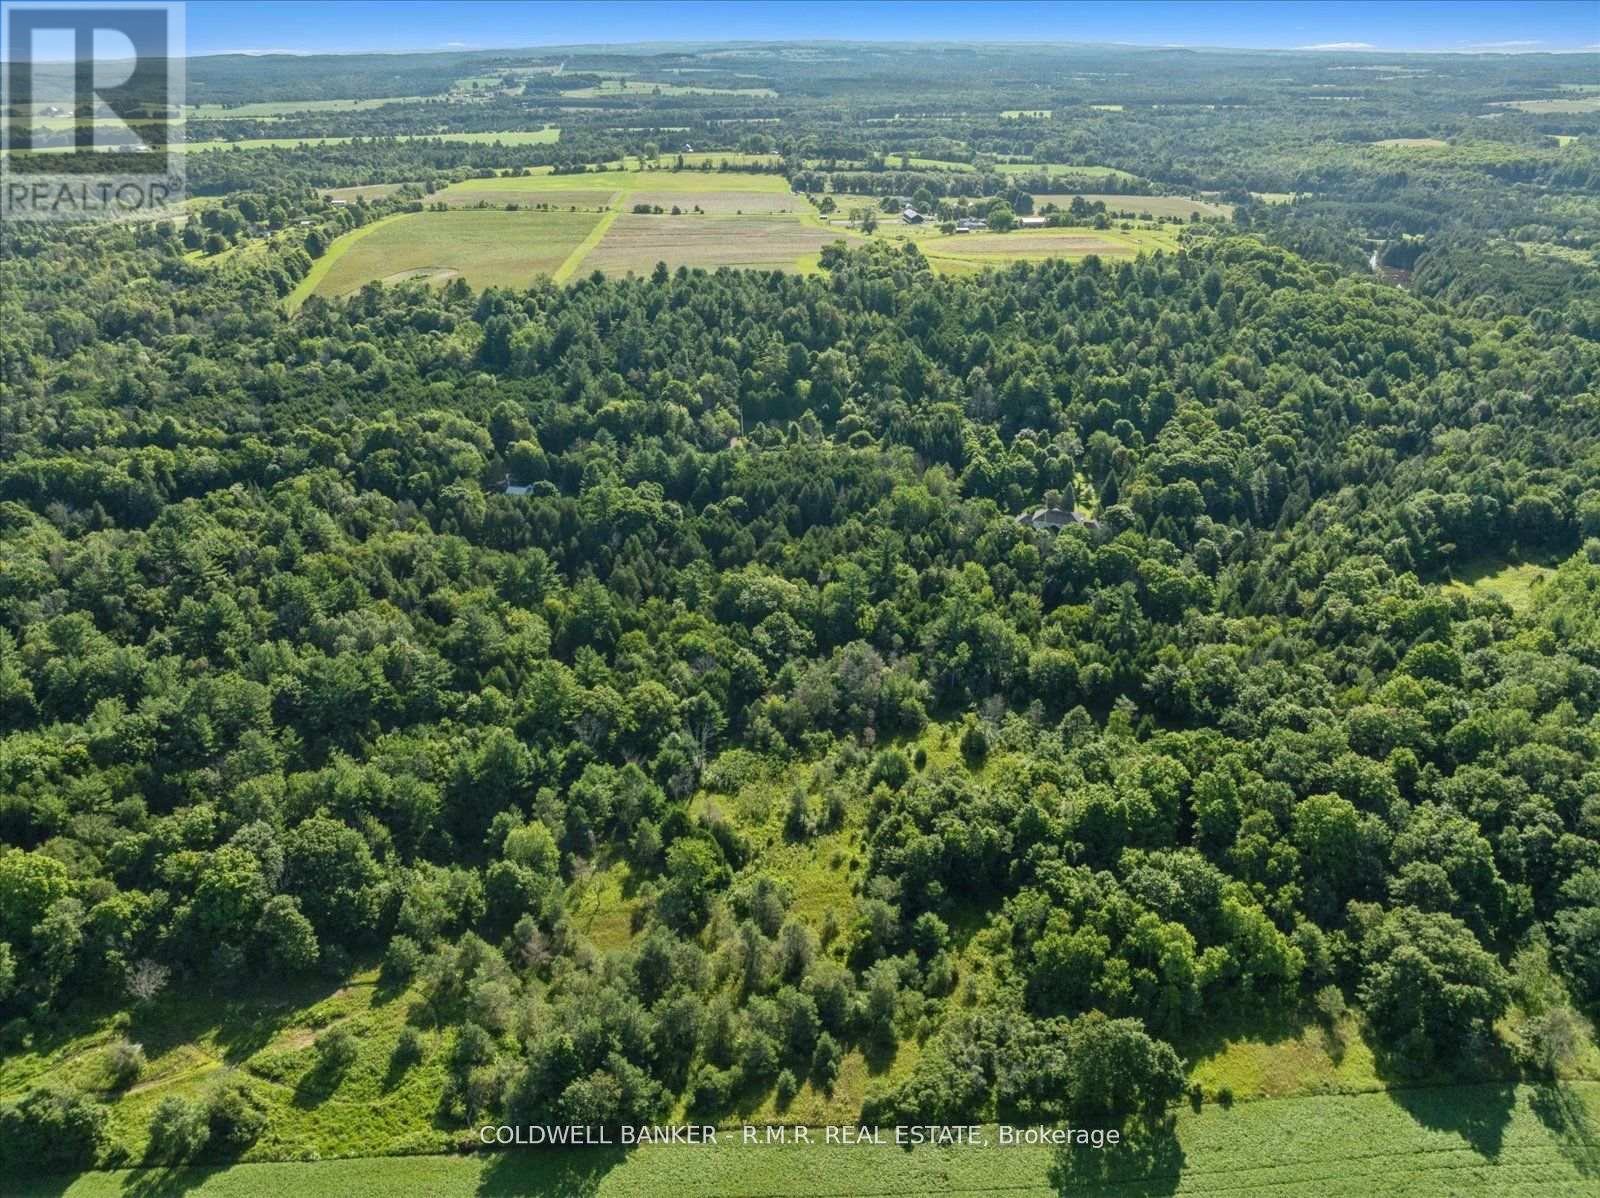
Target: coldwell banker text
{"x":581,"y":1135}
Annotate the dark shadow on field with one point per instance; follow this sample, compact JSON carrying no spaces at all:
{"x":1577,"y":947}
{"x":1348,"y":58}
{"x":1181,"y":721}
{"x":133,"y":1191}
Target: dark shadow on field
{"x":1147,"y":1164}
{"x":574,"y":1173}
{"x":166,"y":1183}
{"x":1478,"y":1114}
{"x":240,"y":1022}
{"x":1244,"y":1017}
{"x":1576,"y":1136}
{"x":879,"y":1053}
{"x":317,"y":1084}
{"x":47,"y":1186}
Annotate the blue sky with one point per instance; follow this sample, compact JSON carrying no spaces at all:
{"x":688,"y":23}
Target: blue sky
{"x":313,"y":26}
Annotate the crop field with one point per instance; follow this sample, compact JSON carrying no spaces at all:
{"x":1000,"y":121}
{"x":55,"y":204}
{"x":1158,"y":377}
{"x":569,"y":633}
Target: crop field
{"x":1061,"y":168}
{"x":489,"y":248}
{"x":515,"y":191}
{"x":1145,"y":205}
{"x":1413,"y":143}
{"x":1489,"y":1140}
{"x":517,"y":137}
{"x":205,"y":112}
{"x":681,"y":183}
{"x":638,"y":87}
{"x":371,"y":191}
{"x":973,"y":251}
{"x":636,"y":243}
{"x":744,"y":220}
{"x":723,"y":202}
{"x":1575,"y":105}
{"x":918,"y":163}
{"x":720,"y":192}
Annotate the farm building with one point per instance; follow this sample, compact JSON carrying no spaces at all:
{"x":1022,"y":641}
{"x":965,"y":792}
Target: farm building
{"x":519,"y":488}
{"x":911,"y":216}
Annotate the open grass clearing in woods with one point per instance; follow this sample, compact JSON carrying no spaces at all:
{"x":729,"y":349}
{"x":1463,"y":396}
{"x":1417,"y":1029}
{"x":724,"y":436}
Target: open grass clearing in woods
{"x":1514,"y":583}
{"x":1413,"y":143}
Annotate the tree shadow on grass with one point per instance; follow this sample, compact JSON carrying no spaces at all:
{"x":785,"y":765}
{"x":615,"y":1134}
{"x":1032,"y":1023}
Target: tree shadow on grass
{"x":1245,"y":1018}
{"x":572,"y":1173}
{"x":1148,"y":1163}
{"x":167,"y":1182}
{"x":1479,"y":1114}
{"x":1576,"y":1136}
{"x":318,"y":1083}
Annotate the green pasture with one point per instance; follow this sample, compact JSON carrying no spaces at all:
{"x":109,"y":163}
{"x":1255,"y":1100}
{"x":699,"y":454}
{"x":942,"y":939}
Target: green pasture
{"x":1144,"y":205}
{"x":487,"y":247}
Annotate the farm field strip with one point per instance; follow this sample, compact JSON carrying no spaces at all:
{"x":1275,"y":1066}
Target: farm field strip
{"x":635,"y":242}
{"x":570,"y":264}
{"x":685,"y":182}
{"x":1061,"y":168}
{"x":516,"y":137}
{"x":746,"y":220}
{"x":335,"y":250}
{"x":985,"y":249}
{"x":487,"y":248}
{"x":1149,"y":205}
{"x":520,"y":137}
{"x":1488,"y":1140}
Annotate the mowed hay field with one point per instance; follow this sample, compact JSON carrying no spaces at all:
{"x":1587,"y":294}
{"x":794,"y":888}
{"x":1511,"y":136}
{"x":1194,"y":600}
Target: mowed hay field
{"x":1413,"y":143}
{"x":508,"y":229}
{"x":1469,"y":1141}
{"x":516,"y":137}
{"x":712,"y":191}
{"x":636,"y":243}
{"x":488,"y":247}
{"x":959,"y":252}
{"x":1144,"y":205}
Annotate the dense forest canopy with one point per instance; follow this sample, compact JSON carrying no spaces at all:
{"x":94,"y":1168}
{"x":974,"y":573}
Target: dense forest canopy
{"x":291,"y":682}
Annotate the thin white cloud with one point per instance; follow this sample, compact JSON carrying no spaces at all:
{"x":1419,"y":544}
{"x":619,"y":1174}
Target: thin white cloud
{"x":1521,"y":44}
{"x":458,"y":45}
{"x":1339,"y":46}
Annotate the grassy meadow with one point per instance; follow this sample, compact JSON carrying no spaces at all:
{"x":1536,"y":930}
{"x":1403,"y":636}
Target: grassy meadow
{"x":488,"y":247}
{"x":518,"y":137}
{"x":1144,"y":205}
{"x":636,"y":243}
{"x":1062,"y":168}
{"x":967,"y":252}
{"x":1515,"y":584}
